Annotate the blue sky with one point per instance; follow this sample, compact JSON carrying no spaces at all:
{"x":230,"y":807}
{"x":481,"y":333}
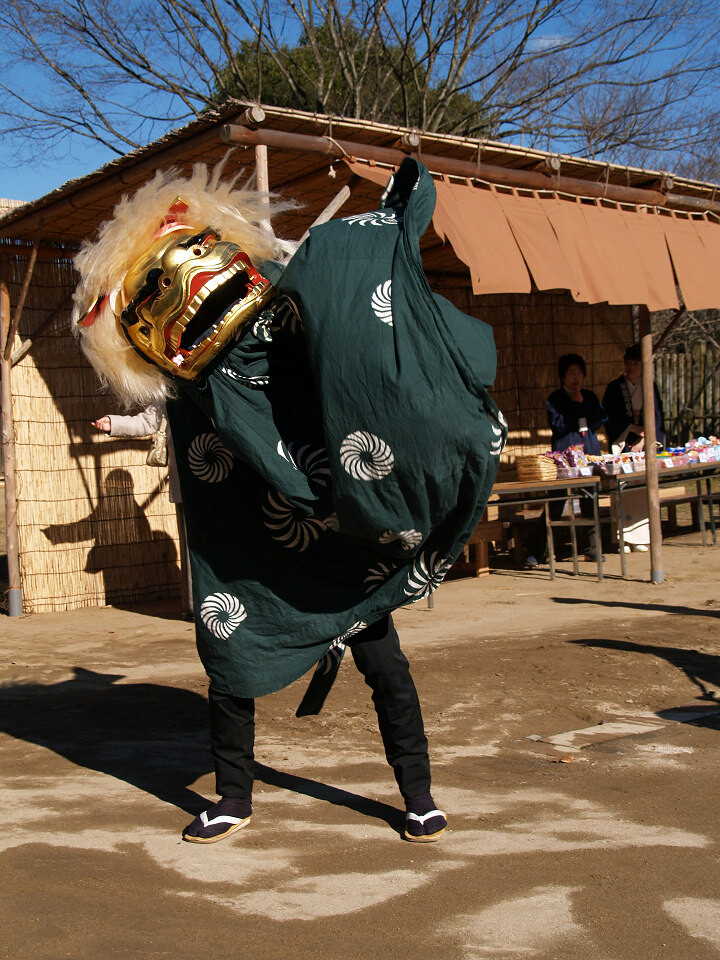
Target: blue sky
{"x":43,"y":170}
{"x":35,"y":178}
{"x":29,"y":171}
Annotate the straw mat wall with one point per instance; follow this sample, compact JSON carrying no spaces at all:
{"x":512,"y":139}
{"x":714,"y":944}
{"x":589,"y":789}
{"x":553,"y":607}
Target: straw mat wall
{"x":95,"y":523}
{"x":531,"y":332}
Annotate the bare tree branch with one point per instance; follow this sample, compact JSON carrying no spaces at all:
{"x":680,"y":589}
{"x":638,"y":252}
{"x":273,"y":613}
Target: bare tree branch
{"x":616,"y":81}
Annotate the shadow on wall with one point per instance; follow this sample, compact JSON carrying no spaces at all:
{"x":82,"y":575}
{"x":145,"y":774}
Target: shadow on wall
{"x":60,"y":460}
{"x":119,"y":519}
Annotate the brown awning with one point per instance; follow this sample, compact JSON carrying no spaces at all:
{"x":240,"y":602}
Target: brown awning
{"x":599,"y":250}
{"x":648,"y":240}
{"x":496,"y":267}
{"x":695,"y":268}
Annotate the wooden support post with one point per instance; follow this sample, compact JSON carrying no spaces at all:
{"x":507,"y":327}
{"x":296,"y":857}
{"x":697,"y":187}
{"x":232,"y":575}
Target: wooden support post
{"x":657,"y":574}
{"x":8,"y":448}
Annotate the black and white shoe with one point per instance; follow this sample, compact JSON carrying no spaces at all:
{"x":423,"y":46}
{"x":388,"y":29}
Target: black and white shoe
{"x":424,"y":823}
{"x":225,"y":817}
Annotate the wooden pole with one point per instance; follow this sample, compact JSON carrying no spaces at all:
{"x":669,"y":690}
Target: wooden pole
{"x":262,"y":177}
{"x":234,"y":133}
{"x":530,"y":179}
{"x":15,"y":322}
{"x":28,"y":342}
{"x":341,"y":197}
{"x":657,"y":574}
{"x":8,"y":447}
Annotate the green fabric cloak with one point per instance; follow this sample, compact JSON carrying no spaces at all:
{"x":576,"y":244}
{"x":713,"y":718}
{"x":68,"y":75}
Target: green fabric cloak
{"x":336,"y":459}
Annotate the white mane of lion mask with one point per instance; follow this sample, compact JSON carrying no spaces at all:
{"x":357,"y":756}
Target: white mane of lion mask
{"x":199,"y":213}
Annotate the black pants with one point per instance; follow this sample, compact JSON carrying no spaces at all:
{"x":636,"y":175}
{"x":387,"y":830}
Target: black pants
{"x":377,"y":654}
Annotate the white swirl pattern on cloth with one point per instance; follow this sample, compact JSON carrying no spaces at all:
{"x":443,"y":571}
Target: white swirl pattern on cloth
{"x":253,"y":383}
{"x":365,"y":456}
{"x":500,"y":433}
{"x":332,"y":522}
{"x":376,"y":218}
{"x":408,"y":538}
{"x":355,"y":628}
{"x":222,"y":613}
{"x":312,"y":461}
{"x":287,"y":315}
{"x":381,"y":302}
{"x":376,"y":576}
{"x":288,"y":525}
{"x":330,"y":660}
{"x":427,"y":574}
{"x":208,"y":459}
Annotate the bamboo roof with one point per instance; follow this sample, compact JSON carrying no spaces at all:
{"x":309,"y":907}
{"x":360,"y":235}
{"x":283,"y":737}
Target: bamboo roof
{"x":74,"y":210}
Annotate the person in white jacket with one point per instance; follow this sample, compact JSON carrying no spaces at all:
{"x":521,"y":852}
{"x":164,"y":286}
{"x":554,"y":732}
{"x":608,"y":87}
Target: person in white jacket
{"x":144,"y":424}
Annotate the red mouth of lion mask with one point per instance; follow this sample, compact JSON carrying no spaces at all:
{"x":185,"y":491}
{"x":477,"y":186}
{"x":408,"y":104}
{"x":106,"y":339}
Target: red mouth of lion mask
{"x":187,"y":297}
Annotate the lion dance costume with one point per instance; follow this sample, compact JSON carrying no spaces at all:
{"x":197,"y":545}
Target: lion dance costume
{"x":334,"y":436}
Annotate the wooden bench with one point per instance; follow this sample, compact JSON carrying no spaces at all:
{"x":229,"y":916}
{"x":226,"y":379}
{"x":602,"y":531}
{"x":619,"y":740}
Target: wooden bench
{"x":672,"y":497}
{"x":526,"y":528}
{"x":475,"y":558}
{"x":527,"y":524}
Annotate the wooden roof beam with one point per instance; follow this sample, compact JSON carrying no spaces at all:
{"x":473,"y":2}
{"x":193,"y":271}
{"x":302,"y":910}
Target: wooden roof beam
{"x":527,"y":179}
{"x":7,"y":435}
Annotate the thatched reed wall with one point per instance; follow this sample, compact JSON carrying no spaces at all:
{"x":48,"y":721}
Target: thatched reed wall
{"x":95,"y":524}
{"x":531,"y":332}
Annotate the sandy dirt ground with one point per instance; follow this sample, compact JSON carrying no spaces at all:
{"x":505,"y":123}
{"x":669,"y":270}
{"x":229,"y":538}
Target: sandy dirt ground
{"x":562,"y":845}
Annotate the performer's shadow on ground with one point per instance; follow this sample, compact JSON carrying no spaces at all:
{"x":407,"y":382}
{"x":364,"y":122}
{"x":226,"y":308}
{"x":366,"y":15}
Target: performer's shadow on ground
{"x":151,"y":736}
{"x":710,"y":611}
{"x":702,"y":669}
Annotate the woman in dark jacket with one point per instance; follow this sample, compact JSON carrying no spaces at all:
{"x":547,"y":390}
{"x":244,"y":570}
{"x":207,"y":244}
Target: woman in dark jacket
{"x":575,"y":415}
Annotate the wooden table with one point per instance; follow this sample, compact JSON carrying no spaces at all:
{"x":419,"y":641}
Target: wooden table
{"x":545,"y":492}
{"x":698,"y":472}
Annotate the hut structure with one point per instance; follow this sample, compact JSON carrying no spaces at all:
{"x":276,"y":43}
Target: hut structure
{"x":554,"y":252}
